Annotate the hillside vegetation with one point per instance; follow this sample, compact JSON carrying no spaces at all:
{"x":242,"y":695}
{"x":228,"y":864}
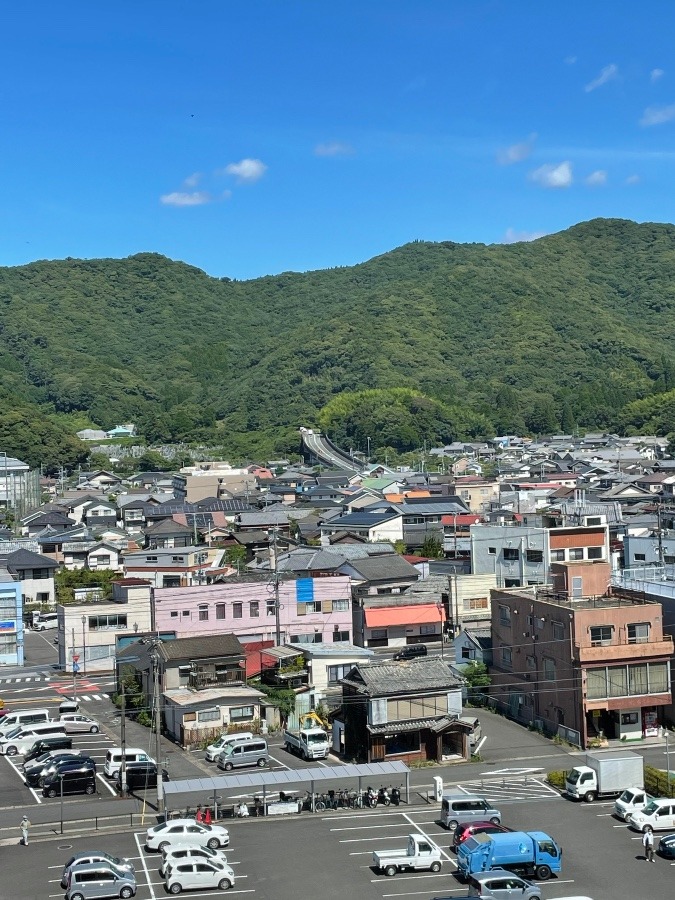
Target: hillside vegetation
{"x":575,"y":329}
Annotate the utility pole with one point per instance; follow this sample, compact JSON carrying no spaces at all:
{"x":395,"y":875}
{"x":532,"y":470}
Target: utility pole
{"x":157,"y":727}
{"x":74,"y":661}
{"x":275,"y":584}
{"x":123,"y":740}
{"x":660,"y":532}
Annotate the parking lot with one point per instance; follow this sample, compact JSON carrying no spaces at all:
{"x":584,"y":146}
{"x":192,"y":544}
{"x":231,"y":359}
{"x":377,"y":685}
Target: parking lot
{"x":330,"y":854}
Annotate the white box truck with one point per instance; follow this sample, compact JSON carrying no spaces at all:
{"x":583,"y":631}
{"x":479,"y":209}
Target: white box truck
{"x":605,"y":775}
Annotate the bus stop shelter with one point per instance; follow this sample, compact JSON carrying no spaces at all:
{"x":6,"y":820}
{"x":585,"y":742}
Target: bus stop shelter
{"x":265,"y":781}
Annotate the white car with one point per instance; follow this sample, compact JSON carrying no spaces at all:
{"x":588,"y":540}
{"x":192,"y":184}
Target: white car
{"x":76,"y":723}
{"x":197,"y":874}
{"x":178,"y":853}
{"x":186,"y":831}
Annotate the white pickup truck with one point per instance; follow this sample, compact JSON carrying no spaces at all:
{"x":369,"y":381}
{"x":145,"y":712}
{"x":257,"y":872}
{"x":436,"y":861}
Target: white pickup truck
{"x":309,"y":743}
{"x":419,"y":854}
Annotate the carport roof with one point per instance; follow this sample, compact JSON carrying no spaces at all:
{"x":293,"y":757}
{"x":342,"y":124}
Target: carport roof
{"x":282,"y":777}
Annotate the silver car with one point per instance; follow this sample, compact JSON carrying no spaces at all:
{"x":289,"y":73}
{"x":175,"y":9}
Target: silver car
{"x":117,"y":864}
{"x":76,"y":723}
{"x":95,"y":882}
{"x":500,"y":884}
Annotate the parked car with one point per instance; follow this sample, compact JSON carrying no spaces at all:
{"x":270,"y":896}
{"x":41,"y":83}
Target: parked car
{"x":76,"y":723}
{"x":198,"y":875}
{"x":95,"y":881}
{"x":657,"y":815}
{"x":666,"y":846}
{"x":466,"y":829}
{"x":116,"y":863}
{"x":500,"y":884}
{"x":38,"y":770}
{"x":65,"y":764}
{"x":45,"y":746}
{"x":177,"y":853}
{"x":80,"y":780}
{"x":186,"y":831}
{"x":140,"y":776}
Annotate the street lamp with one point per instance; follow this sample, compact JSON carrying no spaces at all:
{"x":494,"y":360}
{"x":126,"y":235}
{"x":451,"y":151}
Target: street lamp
{"x":84,"y":645}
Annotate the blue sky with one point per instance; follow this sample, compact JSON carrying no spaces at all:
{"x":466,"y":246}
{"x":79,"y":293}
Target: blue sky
{"x":250,"y":139}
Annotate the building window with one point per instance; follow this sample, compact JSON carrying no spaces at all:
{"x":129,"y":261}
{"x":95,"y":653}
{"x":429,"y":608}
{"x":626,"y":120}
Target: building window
{"x":407,"y":742}
{"x":203,"y":613}
{"x":336,"y":673}
{"x":427,"y":629}
{"x":241,"y":713}
{"x":601,"y":635}
{"x":378,"y":634}
{"x":340,"y":605}
{"x":237,"y":610}
{"x":102,"y":623}
{"x":220,"y":610}
{"x":208,"y":715}
{"x":177,"y":559}
{"x":638,"y":633}
{"x":309,"y":638}
{"x":475,"y":603}
{"x":558,"y":631}
{"x":174,"y":613}
{"x":511,"y":553}
{"x":534,"y":556}
{"x":101,"y":560}
{"x":186,"y":612}
{"x":576,"y":553}
{"x":669,"y":560}
{"x":467,"y":653}
{"x":557,"y":556}
{"x":504,"y":615}
{"x":549,"y":669}
{"x":151,"y":559}
{"x":531,"y":662}
{"x":339,"y":636}
{"x":593,"y":520}
{"x":507,"y":657}
{"x":492,"y":551}
{"x":639,"y":557}
{"x":595,"y":553}
{"x":254,"y":609}
{"x":511,"y":582}
{"x":271,"y":607}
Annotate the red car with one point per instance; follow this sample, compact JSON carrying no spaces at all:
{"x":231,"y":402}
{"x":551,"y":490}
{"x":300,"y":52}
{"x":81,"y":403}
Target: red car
{"x":466,"y":829}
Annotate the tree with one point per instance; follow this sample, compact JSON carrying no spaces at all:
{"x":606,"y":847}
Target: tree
{"x":477,"y":679}
{"x":432,"y":548}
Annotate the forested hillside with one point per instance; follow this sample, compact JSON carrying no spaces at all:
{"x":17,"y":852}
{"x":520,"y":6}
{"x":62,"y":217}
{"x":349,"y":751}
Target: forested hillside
{"x":575,"y":329}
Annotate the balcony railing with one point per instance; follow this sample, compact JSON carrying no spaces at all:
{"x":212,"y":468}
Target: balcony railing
{"x":200,"y":680}
{"x":624,"y":652}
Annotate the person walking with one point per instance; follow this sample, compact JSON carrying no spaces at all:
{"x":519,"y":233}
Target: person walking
{"x":24,"y":826}
{"x":648,"y":844}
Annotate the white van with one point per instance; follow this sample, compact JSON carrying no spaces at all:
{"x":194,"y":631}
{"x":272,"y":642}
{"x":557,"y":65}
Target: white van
{"x":47,"y":620}
{"x":22,"y":739}
{"x":214,"y":750}
{"x":23,"y":717}
{"x":657,"y":815}
{"x":113,"y":759}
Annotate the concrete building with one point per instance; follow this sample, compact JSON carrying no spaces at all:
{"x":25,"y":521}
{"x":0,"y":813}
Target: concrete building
{"x":594,"y":665}
{"x":89,"y":630}
{"x":11,"y":620}
{"x":169,"y":566}
{"x":35,"y":572}
{"x":311,"y":610}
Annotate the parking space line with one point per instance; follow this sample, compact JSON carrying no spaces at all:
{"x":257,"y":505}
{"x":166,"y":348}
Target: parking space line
{"x":279,"y":763}
{"x":417,"y":893}
{"x":111,"y":789}
{"x":430,"y":839}
{"x":145,"y":867}
{"x":417,"y":877}
{"x":23,"y":780}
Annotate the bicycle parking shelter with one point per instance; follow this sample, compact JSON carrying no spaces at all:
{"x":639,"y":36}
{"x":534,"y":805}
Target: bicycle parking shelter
{"x":264,"y":781}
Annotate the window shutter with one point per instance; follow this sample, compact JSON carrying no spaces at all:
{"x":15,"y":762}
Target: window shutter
{"x":326,"y":606}
{"x":302,"y":609}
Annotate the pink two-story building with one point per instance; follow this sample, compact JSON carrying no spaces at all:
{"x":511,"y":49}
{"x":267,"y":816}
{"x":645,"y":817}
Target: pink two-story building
{"x":311,"y":610}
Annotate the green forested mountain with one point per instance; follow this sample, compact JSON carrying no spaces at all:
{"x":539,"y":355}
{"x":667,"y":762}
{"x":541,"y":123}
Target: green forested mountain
{"x":575,"y":329}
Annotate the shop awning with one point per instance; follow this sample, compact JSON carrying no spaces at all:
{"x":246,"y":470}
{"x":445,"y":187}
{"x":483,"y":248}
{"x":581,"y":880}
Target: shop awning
{"x":386,"y":616}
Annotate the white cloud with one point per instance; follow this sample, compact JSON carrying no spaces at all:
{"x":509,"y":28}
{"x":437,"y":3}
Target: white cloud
{"x":246,"y":171}
{"x":570,"y":60}
{"x":184,"y":198}
{"x":506,"y":156}
{"x":552,"y":176}
{"x":657,"y":115}
{"x":597,"y":178}
{"x":511,"y":236}
{"x":655,"y":74}
{"x":193,"y":180}
{"x":333,"y":148}
{"x":609,"y":73}
{"x":632,"y":179}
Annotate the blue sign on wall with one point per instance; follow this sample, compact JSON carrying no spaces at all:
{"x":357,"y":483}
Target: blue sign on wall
{"x":8,"y":625}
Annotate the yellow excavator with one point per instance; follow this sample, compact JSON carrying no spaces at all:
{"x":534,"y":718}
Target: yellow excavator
{"x":306,"y":719}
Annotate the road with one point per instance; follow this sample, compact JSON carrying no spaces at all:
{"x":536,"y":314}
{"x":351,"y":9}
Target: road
{"x":317,"y":445}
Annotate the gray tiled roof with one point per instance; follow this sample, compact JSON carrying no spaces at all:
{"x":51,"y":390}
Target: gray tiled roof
{"x":406,"y":676}
{"x":204,"y":647}
{"x":26,"y":559}
{"x":378,"y":568}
